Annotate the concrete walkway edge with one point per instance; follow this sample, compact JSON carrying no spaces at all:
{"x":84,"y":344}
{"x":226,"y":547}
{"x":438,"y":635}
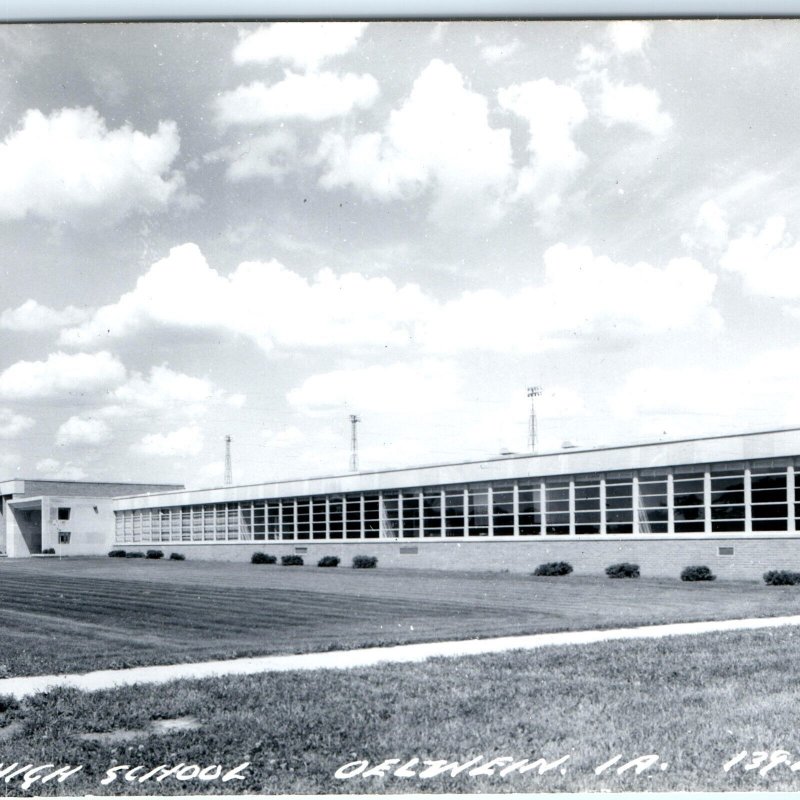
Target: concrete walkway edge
{"x":366,"y":657}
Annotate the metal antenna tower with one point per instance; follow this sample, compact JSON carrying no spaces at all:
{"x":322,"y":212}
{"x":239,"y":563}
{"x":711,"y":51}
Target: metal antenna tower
{"x":354,"y":420}
{"x":533,"y":393}
{"x":228,"y":465}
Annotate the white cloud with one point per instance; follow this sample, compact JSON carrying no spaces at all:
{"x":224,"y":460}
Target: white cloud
{"x":264,"y":301}
{"x":404,"y":388}
{"x":82,"y":431}
{"x":629,"y":36}
{"x":186,"y":441}
{"x":60,"y":375}
{"x":165,"y":389}
{"x":12,"y":425}
{"x":61,"y":166}
{"x":583,"y":296}
{"x":767,"y":260}
{"x":32,"y":316}
{"x":439,"y":137}
{"x":273,"y":156}
{"x":553,"y":112}
{"x":634,"y":104}
{"x":690,"y":400}
{"x":495,"y":53}
{"x":291,"y":436}
{"x":305,"y":45}
{"x":56,"y":470}
{"x":315,"y":96}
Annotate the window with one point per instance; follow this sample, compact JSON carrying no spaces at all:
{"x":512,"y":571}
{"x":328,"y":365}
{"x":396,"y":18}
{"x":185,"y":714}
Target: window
{"x":63,"y":514}
{"x":64,"y":537}
{"x":287,"y":519}
{"x":557,"y":508}
{"x":432,"y":512}
{"x":319,"y":526}
{"x":727,"y":498}
{"x":587,"y":505}
{"x":353,"y":516}
{"x":454,"y":519}
{"x":769,"y":497}
{"x":530,"y":509}
{"x":653,"y":514}
{"x":478,"y":511}
{"x":619,"y":504}
{"x":336,"y":512}
{"x":503,"y":510}
{"x":689,"y":504}
{"x":372,"y":517}
{"x":303,"y":519}
{"x":390,"y":522}
{"x":410,"y":515}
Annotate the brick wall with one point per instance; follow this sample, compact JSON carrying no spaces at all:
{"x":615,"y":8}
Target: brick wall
{"x":656,"y":557}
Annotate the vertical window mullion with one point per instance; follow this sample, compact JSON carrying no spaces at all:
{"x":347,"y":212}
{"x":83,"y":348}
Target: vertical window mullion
{"x":515,"y":504}
{"x":635,"y":503}
{"x":490,"y":509}
{"x":790,"y":499}
{"x":603,"y":530}
{"x":466,"y":511}
{"x":748,"y":500}
{"x":572,"y":506}
{"x":543,"y":508}
{"x":670,"y":502}
{"x":707,"y":500}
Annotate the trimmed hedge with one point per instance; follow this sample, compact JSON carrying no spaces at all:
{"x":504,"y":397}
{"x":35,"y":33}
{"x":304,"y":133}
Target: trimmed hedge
{"x":291,"y":561}
{"x":697,"y":573}
{"x":155,"y":554}
{"x":365,"y":562}
{"x":328,"y":561}
{"x":117,"y":554}
{"x":623,"y":570}
{"x":49,"y":551}
{"x":553,"y":568}
{"x":781,"y":577}
{"x":177,"y":557}
{"x":137,"y":554}
{"x":263,"y":558}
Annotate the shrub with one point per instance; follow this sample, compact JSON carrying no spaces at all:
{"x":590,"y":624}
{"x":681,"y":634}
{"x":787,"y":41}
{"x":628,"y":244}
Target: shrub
{"x":623,"y":570}
{"x":117,"y":554}
{"x":137,"y":554}
{"x":697,"y":574}
{"x":781,"y":577}
{"x":155,"y":554}
{"x":328,"y":561}
{"x":292,"y":561}
{"x":365,"y":562}
{"x":49,"y":551}
{"x":553,"y":568}
{"x":262,"y":558}
{"x":177,"y":557}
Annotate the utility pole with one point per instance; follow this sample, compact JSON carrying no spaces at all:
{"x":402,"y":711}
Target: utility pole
{"x":228,"y":465}
{"x":533,"y":393}
{"x":354,"y":420}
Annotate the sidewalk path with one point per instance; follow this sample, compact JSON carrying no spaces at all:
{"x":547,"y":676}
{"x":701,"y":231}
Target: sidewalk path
{"x":366,"y":657}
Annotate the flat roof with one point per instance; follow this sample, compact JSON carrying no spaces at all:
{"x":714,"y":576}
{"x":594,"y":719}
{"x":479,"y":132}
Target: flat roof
{"x":548,"y":458}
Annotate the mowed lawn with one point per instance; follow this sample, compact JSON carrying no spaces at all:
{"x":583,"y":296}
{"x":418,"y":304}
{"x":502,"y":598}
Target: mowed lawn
{"x":82,"y":614}
{"x":692,"y":704}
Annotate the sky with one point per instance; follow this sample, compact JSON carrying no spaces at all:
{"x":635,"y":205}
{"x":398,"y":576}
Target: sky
{"x":258,"y":230}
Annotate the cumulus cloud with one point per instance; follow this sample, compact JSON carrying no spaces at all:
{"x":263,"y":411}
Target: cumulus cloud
{"x":583,"y":295}
{"x":494,"y":53}
{"x":439,"y":138}
{"x":56,"y":470}
{"x":12,"y":424}
{"x":61,"y":375}
{"x":165,"y":389}
{"x":629,"y":36}
{"x":186,"y":441}
{"x":61,"y":166}
{"x":636,"y":105}
{"x":552,"y":112}
{"x":428,"y":385}
{"x":83,"y":431}
{"x":768,"y":260}
{"x":272,"y":155}
{"x":314,"y":96}
{"x":580,"y":295}
{"x":266,"y":302}
{"x":305,"y":45}
{"x":32,"y":316}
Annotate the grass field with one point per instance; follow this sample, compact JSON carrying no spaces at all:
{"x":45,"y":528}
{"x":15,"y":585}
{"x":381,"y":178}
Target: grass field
{"x":695,"y":702}
{"x":81,"y":614}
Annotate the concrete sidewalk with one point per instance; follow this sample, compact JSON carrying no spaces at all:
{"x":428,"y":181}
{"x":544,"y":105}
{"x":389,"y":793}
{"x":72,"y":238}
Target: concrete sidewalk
{"x":349,"y":659}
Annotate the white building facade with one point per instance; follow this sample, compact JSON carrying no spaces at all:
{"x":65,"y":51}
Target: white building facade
{"x":728,"y":502}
